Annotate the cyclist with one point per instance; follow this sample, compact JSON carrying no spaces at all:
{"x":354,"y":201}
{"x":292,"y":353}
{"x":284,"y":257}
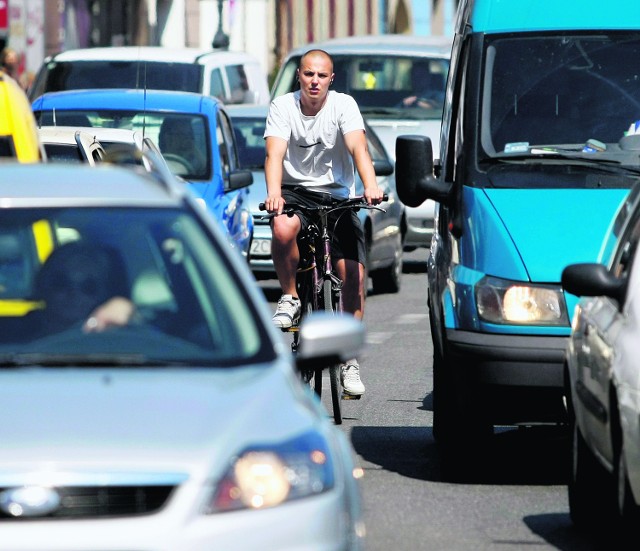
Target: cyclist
{"x":313,"y":138}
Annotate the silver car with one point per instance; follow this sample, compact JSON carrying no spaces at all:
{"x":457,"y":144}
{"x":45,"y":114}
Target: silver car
{"x":152,"y":405}
{"x":384,"y":231}
{"x":398,"y":82}
{"x":602,"y":379}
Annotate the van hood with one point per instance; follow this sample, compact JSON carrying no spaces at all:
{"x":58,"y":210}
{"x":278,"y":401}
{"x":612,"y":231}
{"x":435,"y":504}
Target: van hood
{"x":534,"y":233}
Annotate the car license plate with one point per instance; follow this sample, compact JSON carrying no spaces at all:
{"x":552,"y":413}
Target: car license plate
{"x":261,"y":247}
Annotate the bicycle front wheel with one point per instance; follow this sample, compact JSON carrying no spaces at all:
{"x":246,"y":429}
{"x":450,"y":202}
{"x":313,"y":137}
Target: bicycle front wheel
{"x":334,"y":371}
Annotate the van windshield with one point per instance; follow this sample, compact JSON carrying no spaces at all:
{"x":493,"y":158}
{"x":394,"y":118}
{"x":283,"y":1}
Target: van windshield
{"x":572,"y":94}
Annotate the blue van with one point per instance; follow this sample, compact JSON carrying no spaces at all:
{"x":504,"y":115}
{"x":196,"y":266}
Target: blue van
{"x":193,"y":132}
{"x":538,"y":150}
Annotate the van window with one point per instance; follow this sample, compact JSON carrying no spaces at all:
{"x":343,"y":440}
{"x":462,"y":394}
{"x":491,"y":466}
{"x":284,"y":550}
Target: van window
{"x":6,"y":147}
{"x":75,"y":75}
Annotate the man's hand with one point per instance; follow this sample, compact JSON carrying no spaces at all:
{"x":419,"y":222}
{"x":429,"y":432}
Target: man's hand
{"x":274,"y":204}
{"x":116,"y":312}
{"x":373,"y":195}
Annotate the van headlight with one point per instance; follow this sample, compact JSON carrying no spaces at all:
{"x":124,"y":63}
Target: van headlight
{"x":512,"y":302}
{"x":266,"y":476}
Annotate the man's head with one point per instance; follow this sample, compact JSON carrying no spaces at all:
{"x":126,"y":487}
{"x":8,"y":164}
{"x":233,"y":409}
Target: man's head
{"x":315,"y":74}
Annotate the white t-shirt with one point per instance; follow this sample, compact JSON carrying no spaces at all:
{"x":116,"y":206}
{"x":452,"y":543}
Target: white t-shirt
{"x":317,"y":156}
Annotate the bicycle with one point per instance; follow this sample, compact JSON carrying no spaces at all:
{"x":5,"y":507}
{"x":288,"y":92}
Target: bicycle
{"x":319,"y":287}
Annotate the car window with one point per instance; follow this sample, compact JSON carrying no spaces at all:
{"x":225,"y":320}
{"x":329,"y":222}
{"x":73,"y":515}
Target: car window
{"x":381,"y":84}
{"x":63,"y":153}
{"x":226,"y":146}
{"x":217,"y":85}
{"x":7,"y":148}
{"x":189,"y":306}
{"x":249,"y":135}
{"x":182,"y":138}
{"x":238,"y":84}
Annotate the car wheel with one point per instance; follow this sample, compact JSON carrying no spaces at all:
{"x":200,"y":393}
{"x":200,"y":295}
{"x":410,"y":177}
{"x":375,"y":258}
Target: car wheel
{"x":589,"y":484}
{"x":628,"y":510}
{"x":460,"y":423}
{"x":388,"y":280}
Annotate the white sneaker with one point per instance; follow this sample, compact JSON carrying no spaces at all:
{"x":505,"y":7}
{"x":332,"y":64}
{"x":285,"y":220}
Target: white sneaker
{"x":350,"y":378}
{"x":288,"y":312}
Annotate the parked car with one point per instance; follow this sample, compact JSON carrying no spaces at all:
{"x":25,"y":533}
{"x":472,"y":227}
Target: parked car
{"x":531,"y":176}
{"x":70,"y":144}
{"x":232,"y":77}
{"x":384,"y":231}
{"x":382,"y":72}
{"x":184,"y":424}
{"x":192,"y":131}
{"x":602,"y":379}
{"x":18,"y":131}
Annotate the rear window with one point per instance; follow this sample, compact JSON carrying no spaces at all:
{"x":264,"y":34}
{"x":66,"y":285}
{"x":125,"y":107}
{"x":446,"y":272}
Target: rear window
{"x":76,"y":75}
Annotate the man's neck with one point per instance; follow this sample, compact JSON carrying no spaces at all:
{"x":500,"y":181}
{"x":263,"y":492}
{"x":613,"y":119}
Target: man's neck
{"x":311,"y":108}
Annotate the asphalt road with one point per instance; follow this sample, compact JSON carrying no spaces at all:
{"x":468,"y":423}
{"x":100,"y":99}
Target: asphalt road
{"x":517,"y":501}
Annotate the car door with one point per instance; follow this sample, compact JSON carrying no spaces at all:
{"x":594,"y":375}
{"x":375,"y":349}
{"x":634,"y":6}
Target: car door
{"x":236,"y":200}
{"x":603,"y":322}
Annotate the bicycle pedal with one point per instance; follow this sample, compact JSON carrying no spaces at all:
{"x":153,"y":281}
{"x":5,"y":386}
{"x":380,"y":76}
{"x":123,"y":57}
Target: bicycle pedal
{"x":346,"y":396}
{"x":293,"y":329}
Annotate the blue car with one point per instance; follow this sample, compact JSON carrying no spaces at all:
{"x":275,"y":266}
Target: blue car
{"x":192,"y":131}
{"x":538,"y":149}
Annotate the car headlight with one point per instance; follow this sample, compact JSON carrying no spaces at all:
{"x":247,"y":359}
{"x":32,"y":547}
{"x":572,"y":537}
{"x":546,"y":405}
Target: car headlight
{"x":512,"y":302}
{"x":266,"y":476}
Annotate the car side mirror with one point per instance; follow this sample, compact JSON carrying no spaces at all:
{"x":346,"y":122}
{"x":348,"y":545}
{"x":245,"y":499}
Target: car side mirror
{"x":239,"y":179}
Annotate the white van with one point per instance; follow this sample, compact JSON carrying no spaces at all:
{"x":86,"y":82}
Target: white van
{"x":232,"y":77}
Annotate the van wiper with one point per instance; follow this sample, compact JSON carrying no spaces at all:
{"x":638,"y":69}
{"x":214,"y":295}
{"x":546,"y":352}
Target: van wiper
{"x":539,"y":155}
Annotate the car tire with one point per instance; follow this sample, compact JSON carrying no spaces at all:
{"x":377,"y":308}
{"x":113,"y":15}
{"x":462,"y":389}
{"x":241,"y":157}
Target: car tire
{"x":460,"y":423}
{"x":389,"y":279}
{"x":590,"y":485}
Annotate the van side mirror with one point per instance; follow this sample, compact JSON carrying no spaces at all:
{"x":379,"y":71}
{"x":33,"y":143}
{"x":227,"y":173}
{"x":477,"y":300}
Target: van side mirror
{"x":415,"y":179}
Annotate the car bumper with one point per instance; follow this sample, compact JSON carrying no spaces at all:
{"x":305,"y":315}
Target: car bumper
{"x":312,"y":524}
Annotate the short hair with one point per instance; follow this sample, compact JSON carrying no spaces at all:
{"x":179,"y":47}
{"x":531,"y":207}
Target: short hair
{"x":316,"y":52}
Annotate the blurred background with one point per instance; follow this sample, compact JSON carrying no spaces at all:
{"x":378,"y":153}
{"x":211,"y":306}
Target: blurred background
{"x":267,"y":29}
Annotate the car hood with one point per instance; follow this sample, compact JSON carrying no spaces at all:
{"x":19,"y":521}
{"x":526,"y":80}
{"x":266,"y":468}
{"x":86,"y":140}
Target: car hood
{"x":389,"y":129}
{"x":532,"y":234}
{"x":143,"y":420}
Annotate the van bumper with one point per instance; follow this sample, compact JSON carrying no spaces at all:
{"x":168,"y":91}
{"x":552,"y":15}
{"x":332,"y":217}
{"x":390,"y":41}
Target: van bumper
{"x":509,"y":360}
{"x":517,"y":379}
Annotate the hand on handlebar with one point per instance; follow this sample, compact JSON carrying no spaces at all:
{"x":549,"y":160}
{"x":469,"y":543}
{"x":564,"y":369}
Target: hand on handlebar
{"x":374,"y":196}
{"x":273,"y":204}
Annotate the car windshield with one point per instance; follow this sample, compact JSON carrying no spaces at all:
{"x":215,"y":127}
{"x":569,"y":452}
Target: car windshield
{"x":182,"y":138}
{"x":249,"y":134}
{"x":156,"y":273}
{"x":385,"y":86}
{"x":562,"y":95}
{"x":76,"y":75}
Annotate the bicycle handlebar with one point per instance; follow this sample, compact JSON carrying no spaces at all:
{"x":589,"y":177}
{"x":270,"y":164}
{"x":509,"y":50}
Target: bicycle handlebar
{"x":353,"y":202}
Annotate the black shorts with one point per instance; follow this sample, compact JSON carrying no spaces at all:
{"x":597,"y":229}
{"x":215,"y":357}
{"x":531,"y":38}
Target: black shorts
{"x":345,"y":229}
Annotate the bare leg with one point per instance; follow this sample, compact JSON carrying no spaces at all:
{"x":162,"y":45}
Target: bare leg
{"x":352,"y":275}
{"x":284,"y":251}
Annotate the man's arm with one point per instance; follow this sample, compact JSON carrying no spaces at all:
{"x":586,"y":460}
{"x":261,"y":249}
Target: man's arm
{"x":356,"y":143}
{"x":276,"y":148}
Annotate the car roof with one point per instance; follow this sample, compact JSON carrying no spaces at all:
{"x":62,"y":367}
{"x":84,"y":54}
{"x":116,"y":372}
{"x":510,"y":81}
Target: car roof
{"x":154,"y":53}
{"x":81,"y":185}
{"x":117,"y":99}
{"x":65,"y":134}
{"x":247,"y":110}
{"x":386,"y":44}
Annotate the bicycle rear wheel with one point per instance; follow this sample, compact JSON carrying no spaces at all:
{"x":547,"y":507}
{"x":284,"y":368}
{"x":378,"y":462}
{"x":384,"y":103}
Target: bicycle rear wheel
{"x":331,"y":305}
